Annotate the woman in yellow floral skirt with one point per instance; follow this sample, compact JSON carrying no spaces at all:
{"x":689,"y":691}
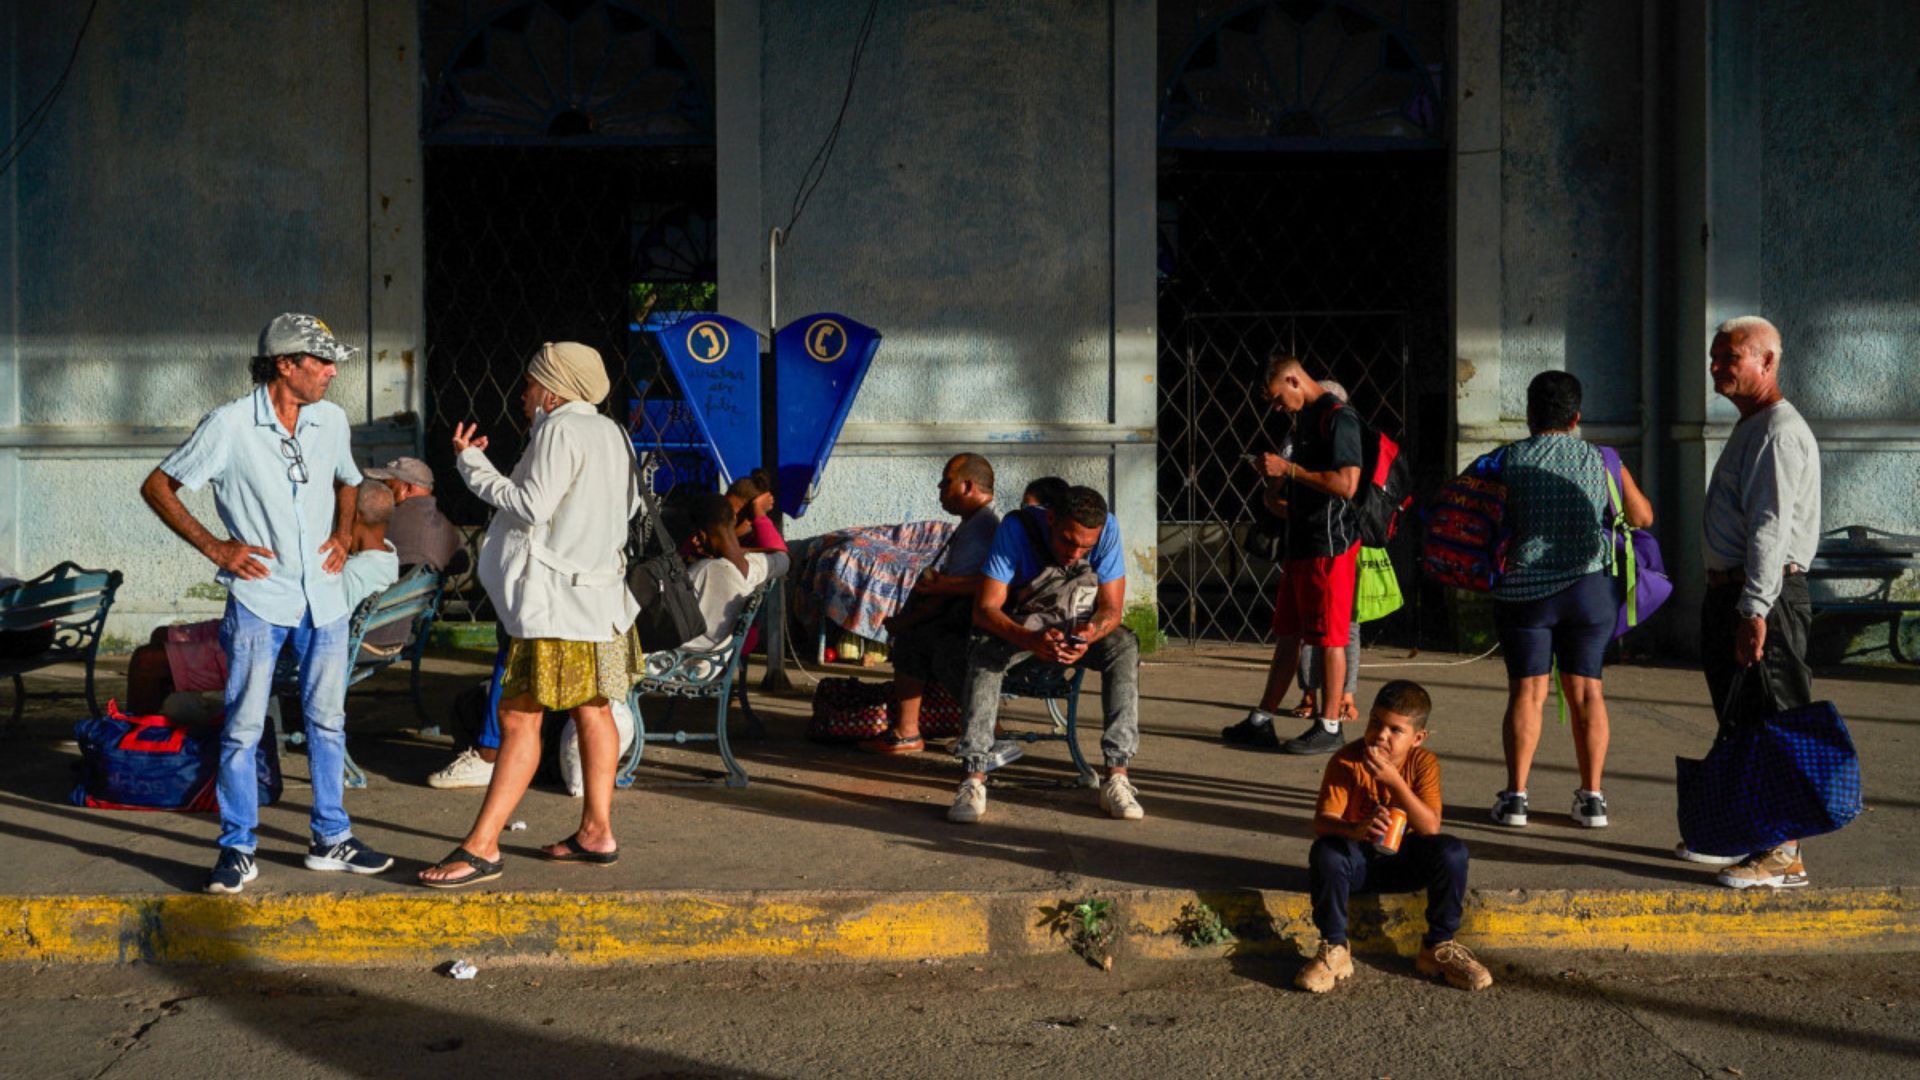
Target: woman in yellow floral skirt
{"x":553,"y":565}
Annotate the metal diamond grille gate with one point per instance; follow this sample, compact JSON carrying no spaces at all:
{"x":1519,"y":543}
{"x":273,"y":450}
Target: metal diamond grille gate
{"x":569,"y":185}
{"x":1302,"y":209}
{"x":1336,"y":259}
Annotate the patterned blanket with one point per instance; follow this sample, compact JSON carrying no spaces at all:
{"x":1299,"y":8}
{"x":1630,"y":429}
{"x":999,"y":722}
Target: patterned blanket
{"x":857,"y":578}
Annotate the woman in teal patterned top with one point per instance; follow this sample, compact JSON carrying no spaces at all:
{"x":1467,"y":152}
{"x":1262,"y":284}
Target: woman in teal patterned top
{"x":1556,"y":599}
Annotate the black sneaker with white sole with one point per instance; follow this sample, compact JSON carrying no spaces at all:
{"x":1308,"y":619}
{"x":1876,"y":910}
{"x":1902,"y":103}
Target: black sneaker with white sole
{"x":1314,"y":740}
{"x":1248,"y":730}
{"x":1510,"y":809}
{"x":1590,"y":809}
{"x":350,"y":855}
{"x":232,"y":872}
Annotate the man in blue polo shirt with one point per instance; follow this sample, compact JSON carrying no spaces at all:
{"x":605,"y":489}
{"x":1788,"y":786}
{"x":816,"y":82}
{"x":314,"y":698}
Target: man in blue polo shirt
{"x":285,"y":485}
{"x":1053,"y":587}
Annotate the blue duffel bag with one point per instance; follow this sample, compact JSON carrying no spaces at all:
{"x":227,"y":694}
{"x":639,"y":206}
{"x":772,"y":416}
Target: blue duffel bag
{"x":149,"y":763}
{"x":1770,"y":780}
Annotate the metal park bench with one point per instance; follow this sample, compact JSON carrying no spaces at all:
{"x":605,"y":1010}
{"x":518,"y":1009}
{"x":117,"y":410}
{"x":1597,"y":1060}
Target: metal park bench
{"x":1863,"y":553}
{"x":715,"y":674}
{"x":53,"y":619}
{"x":1053,"y":684}
{"x":414,"y":600}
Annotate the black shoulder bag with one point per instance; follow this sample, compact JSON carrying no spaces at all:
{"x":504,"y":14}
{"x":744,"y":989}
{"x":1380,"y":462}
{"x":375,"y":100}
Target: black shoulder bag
{"x":669,"y":610}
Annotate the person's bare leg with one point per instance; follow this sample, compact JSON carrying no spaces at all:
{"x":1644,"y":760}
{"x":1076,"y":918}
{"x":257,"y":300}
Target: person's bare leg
{"x":907,"y":694}
{"x":488,"y":754}
{"x":599,"y":761}
{"x":1333,"y":679}
{"x":1286,"y":659}
{"x":1588,"y":709}
{"x":519,"y":756}
{"x":1520,"y":734}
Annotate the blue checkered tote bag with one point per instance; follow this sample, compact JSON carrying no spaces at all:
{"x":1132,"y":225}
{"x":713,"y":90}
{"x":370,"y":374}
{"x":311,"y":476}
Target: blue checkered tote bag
{"x":1786,"y":777}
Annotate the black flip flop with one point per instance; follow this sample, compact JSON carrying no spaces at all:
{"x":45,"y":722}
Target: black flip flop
{"x":482,"y":870}
{"x":577,"y":854}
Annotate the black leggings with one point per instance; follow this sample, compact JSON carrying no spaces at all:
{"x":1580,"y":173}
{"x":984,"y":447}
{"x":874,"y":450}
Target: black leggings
{"x":1573,"y":625}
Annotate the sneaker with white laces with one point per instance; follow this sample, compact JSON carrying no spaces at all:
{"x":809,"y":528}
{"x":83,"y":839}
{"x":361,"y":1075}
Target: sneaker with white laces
{"x":1779,"y":868}
{"x":1324,"y":972}
{"x":1590,"y":809}
{"x":1510,"y":809}
{"x":350,"y":855}
{"x":969,"y":803}
{"x":1682,"y":851}
{"x":467,"y":770}
{"x":1119,"y":799}
{"x":232,"y":872}
{"x":1454,"y":962}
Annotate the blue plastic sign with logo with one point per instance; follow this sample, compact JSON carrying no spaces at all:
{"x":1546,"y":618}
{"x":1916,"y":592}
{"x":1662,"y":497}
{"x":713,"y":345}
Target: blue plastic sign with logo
{"x":820,"y":362}
{"x":716,"y":361}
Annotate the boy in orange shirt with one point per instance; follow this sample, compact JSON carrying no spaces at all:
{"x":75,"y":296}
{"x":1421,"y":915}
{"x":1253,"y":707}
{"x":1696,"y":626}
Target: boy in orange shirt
{"x":1387,"y":769}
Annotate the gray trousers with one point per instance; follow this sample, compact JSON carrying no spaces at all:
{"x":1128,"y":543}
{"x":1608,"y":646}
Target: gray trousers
{"x":1313,"y":668}
{"x":1116,"y":657}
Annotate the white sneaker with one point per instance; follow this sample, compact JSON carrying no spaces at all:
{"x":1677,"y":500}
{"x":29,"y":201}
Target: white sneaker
{"x":1680,"y":850}
{"x":969,"y":803}
{"x":467,"y":770}
{"x":1117,"y":798}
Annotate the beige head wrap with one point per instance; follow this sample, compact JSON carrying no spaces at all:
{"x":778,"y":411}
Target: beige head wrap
{"x":571,"y":370}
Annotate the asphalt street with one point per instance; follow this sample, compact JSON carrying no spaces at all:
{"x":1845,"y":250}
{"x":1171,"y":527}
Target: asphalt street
{"x":1549,"y":1015}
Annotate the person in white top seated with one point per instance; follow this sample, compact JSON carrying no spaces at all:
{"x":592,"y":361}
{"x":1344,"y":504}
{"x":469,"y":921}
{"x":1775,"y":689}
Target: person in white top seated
{"x":553,"y":563}
{"x":723,"y":575}
{"x":374,"y":564}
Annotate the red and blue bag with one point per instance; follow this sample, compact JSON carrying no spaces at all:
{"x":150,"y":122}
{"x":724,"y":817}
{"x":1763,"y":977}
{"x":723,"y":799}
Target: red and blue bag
{"x":149,"y":763}
{"x":1466,"y":541}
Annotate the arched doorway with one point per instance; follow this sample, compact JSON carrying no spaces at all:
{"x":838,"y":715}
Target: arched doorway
{"x":1302,"y":206}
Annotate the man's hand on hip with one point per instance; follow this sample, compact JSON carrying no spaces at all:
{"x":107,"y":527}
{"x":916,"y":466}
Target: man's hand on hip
{"x":1749,"y":641}
{"x":240,"y":560}
{"x":333,"y":554}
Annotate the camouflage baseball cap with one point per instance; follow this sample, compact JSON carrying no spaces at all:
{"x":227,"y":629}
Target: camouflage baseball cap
{"x":303,"y":335}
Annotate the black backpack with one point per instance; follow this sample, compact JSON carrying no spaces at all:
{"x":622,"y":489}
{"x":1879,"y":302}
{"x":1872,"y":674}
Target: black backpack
{"x":657,"y":576}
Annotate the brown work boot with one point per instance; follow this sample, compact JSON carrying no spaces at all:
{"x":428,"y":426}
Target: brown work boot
{"x":1456,"y":964}
{"x":1328,"y":966}
{"x":1780,"y":868}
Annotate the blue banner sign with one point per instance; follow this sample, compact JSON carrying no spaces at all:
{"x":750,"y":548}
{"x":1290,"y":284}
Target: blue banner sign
{"x":819,"y":362}
{"x":716,"y":361}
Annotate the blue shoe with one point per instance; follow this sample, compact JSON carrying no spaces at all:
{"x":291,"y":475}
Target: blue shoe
{"x":350,"y":855}
{"x":232,"y":872}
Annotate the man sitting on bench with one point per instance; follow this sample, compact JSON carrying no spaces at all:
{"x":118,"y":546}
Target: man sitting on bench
{"x":1053,"y":587}
{"x":931,"y":629}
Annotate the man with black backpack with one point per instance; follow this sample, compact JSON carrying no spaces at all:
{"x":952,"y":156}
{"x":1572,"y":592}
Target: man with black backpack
{"x":1053,"y":587}
{"x":1314,"y":603}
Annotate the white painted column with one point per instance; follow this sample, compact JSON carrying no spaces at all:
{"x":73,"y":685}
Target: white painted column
{"x":742,"y":227}
{"x":396,"y":252}
{"x":1477,"y":266}
{"x":1135,"y":327}
{"x":1717,"y":221}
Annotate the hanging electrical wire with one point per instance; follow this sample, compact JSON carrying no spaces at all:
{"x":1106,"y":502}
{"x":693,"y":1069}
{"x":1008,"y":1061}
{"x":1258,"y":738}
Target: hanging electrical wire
{"x":37,"y":116}
{"x":817,"y":168}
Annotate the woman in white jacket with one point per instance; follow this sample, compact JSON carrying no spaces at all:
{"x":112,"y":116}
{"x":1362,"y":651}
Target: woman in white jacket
{"x":553,"y":564}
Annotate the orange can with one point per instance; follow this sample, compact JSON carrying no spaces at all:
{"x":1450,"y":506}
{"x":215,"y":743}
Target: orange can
{"x":1396,"y":832}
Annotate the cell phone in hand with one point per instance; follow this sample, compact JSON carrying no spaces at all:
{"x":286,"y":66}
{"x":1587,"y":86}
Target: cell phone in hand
{"x":1076,"y":639}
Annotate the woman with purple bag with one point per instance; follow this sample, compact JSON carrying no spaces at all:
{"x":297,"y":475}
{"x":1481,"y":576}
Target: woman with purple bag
{"x":1557,"y":600}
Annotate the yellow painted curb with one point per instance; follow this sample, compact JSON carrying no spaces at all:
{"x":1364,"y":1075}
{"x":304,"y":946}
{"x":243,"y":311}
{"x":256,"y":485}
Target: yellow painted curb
{"x":411,"y":928}
{"x":630,"y":928}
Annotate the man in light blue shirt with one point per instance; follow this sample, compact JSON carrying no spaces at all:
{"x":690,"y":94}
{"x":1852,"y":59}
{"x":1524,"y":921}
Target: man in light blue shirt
{"x":284,"y":484}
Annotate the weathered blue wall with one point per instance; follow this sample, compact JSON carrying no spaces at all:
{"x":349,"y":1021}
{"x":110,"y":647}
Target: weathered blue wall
{"x":1571,"y":184}
{"x":203,"y":170}
{"x":1841,"y":151}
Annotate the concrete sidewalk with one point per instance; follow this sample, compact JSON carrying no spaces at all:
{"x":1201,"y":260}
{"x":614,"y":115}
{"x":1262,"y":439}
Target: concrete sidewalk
{"x":834,"y":853}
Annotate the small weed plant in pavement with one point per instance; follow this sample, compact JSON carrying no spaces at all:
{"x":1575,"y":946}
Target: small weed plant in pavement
{"x":1087,"y":926}
{"x":1200,"y":926}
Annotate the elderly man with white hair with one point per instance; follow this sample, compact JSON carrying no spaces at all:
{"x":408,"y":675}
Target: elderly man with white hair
{"x":553,"y":564}
{"x":1762,"y":524}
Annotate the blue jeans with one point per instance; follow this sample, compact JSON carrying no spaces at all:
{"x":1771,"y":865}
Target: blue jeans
{"x":252,"y":644}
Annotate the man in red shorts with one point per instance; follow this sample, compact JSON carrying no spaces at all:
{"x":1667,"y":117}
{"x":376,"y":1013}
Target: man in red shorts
{"x":1314,"y":604}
